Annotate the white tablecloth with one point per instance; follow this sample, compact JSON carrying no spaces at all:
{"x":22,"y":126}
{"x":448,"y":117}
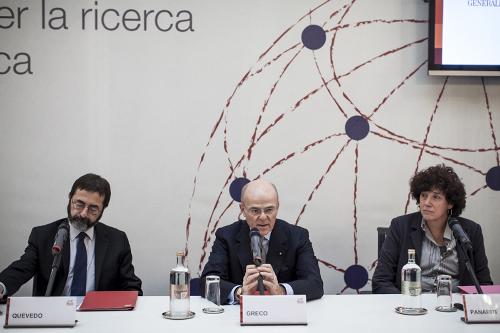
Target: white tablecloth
{"x":332,"y":313}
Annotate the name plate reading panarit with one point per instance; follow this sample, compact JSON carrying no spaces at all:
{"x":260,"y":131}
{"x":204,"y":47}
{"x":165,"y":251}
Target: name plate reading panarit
{"x":40,"y":312}
{"x":273,"y":310}
{"x":482,"y":308}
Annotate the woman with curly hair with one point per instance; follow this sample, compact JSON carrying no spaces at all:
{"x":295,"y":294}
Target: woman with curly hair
{"x":440,"y":195}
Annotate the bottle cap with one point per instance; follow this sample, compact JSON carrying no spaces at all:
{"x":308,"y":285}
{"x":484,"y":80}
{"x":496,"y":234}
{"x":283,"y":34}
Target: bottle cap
{"x":411,"y":251}
{"x":180,"y":253}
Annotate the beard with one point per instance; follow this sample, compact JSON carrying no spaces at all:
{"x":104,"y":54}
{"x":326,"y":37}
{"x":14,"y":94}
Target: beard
{"x":81,"y":224}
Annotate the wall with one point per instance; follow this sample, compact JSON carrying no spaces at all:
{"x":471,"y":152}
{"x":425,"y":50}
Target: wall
{"x":171,"y":118}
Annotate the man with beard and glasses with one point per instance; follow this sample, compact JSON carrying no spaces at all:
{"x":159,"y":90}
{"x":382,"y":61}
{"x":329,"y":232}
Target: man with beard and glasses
{"x":94,"y":257}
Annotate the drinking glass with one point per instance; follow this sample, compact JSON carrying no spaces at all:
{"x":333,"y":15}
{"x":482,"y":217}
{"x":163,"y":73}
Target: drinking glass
{"x":211,"y":304}
{"x":443,"y":292}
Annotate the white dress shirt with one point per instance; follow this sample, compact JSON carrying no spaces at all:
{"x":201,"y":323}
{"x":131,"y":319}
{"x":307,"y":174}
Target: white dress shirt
{"x":90,"y":246}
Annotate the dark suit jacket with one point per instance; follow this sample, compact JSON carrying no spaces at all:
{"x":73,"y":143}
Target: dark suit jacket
{"x":113,"y":262}
{"x":290,"y":254}
{"x":406,"y":233}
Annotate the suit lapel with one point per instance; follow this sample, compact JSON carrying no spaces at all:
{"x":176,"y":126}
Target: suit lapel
{"x":243,"y":245}
{"x":416,"y":235}
{"x":101,"y":246}
{"x":277,"y":247}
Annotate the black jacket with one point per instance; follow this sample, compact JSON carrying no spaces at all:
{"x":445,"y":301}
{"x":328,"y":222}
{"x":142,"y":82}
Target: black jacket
{"x":406,"y":233}
{"x":290,"y":254}
{"x":113,"y":262}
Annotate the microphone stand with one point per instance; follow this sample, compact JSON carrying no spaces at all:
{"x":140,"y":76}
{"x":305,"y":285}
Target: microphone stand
{"x":55,"y":266}
{"x":467,"y":255}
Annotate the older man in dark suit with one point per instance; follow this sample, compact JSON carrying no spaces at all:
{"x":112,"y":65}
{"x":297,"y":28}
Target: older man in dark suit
{"x":291,"y":267}
{"x":94,"y":257}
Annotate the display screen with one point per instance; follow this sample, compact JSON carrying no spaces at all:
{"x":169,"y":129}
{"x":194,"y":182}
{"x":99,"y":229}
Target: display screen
{"x":464,"y":37}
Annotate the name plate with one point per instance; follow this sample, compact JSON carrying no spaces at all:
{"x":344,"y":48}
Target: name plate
{"x":482,"y":308}
{"x":40,"y":312}
{"x":273,"y":310}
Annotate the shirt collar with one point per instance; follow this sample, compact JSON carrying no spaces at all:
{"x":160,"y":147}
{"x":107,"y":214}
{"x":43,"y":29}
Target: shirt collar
{"x":73,"y":232}
{"x":446,"y":236}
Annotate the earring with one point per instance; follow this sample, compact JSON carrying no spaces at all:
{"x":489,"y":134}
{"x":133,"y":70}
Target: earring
{"x":450,"y":212}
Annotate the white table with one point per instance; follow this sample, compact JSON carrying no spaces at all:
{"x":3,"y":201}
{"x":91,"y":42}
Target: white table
{"x":332,"y":313}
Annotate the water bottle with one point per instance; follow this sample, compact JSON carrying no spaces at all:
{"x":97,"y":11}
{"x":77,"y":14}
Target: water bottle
{"x":411,"y":284}
{"x":179,"y":288}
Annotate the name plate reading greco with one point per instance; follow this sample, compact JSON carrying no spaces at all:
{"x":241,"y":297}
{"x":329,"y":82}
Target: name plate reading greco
{"x":40,"y":312}
{"x":482,"y":308}
{"x":273,"y":310}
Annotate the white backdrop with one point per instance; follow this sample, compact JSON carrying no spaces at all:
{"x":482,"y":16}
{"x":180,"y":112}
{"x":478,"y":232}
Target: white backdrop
{"x":141,"y":108}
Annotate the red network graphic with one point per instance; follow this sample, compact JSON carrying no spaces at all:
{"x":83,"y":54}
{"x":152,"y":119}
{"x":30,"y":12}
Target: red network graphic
{"x":319,"y":39}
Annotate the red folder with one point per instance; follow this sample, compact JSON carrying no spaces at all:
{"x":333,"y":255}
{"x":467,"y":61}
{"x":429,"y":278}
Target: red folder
{"x":488,"y":289}
{"x":109,"y":301}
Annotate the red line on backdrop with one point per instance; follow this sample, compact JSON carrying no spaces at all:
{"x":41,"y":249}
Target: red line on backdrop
{"x":320,"y":181}
{"x":490,"y":120}
{"x":330,"y":265}
{"x":355,"y":212}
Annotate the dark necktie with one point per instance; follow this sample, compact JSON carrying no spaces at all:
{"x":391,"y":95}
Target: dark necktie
{"x":79,"y":284}
{"x":265,"y":249}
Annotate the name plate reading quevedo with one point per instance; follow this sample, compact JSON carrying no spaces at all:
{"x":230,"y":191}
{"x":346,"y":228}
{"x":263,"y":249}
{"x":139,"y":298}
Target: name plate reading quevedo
{"x":40,"y":312}
{"x":273,"y":310}
{"x":482,"y":308}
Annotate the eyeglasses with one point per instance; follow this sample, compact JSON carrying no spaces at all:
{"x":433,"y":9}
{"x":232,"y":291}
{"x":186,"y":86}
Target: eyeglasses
{"x":80,"y":205}
{"x":254,"y":211}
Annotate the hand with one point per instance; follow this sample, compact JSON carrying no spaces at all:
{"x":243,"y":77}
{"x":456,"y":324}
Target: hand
{"x":270,"y":280}
{"x":250,"y":280}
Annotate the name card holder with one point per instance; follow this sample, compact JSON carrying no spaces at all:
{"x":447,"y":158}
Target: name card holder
{"x":40,"y":312}
{"x":273,"y":310}
{"x":481,"y":308}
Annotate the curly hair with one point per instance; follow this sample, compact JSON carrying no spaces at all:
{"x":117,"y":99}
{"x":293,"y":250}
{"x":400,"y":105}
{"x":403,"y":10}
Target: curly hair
{"x":440,"y":177}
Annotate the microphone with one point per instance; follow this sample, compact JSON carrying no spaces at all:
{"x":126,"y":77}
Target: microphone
{"x":255,"y":244}
{"x":465,"y":248}
{"x":61,"y":237}
{"x":459,"y":233}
